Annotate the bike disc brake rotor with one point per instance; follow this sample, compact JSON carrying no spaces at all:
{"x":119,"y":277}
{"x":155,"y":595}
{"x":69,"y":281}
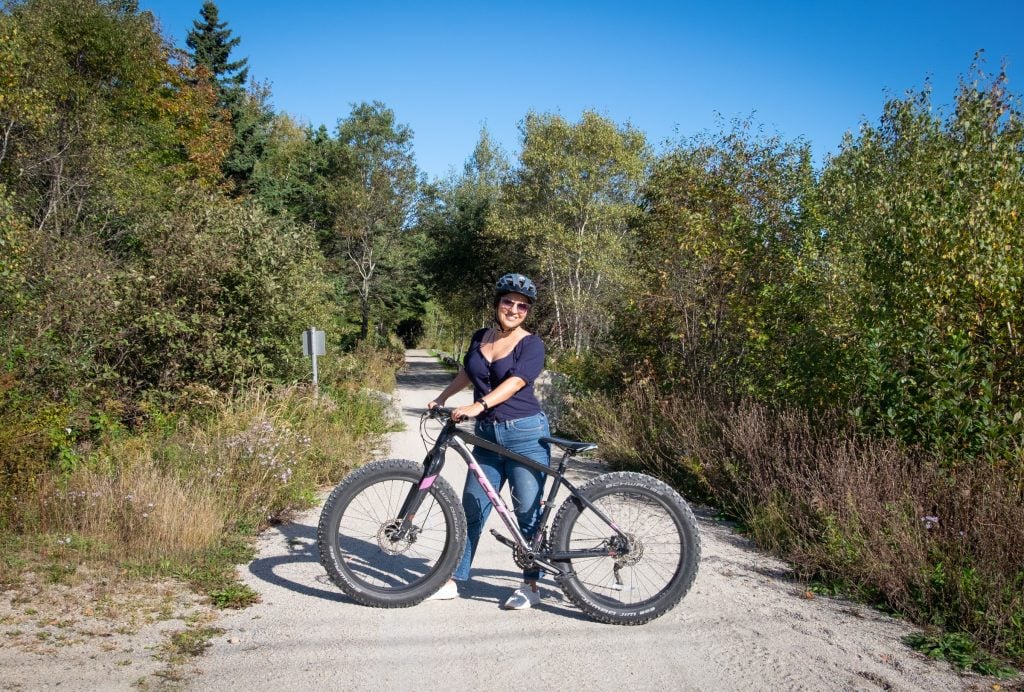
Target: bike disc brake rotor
{"x":629,"y":553}
{"x":392,"y":544}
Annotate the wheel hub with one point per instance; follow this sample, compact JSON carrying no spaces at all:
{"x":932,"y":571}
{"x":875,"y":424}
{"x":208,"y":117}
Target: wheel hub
{"x":389,"y":540}
{"x":630,"y":551}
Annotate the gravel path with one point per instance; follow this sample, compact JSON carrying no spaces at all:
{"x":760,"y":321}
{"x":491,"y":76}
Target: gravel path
{"x":744,"y":625}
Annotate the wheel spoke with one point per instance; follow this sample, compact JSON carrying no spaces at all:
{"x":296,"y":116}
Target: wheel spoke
{"x":641,"y":582}
{"x":358,"y":530}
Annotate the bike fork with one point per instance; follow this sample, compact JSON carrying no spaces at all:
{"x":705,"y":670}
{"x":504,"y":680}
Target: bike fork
{"x":432,"y":466}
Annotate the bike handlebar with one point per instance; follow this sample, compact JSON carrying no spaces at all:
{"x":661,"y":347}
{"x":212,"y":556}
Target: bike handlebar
{"x":442,"y":413}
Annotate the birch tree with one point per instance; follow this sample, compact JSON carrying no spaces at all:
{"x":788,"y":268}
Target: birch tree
{"x":570,"y":204}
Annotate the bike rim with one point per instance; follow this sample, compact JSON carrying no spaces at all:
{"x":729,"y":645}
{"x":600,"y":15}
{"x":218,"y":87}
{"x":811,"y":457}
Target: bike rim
{"x":363,"y":544}
{"x":643,"y":575}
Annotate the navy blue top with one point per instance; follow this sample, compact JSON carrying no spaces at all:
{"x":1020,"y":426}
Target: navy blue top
{"x":525,"y":361}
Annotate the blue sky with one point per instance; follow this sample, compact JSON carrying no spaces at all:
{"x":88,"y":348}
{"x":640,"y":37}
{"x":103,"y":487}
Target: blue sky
{"x":800,"y":69}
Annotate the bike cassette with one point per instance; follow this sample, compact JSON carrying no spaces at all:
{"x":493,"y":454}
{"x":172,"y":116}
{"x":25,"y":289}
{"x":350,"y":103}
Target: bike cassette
{"x":628,"y":554}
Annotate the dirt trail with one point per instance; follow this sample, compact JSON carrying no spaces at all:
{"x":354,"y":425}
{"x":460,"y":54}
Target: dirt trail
{"x":744,"y":625}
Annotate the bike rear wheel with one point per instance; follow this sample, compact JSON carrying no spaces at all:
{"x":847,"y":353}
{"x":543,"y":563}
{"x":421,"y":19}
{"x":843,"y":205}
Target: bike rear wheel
{"x":636,"y":580}
{"x":359,"y":547}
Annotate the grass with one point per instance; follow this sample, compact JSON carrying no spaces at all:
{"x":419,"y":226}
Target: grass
{"x":191,"y":641}
{"x":180,"y":499}
{"x":182,"y":646}
{"x":184,"y":497}
{"x":962,"y":651}
{"x":941,"y":546}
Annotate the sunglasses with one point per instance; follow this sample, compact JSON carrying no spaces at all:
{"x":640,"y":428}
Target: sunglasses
{"x":521,"y":308}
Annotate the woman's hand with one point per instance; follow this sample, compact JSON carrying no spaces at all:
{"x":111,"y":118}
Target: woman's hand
{"x":471,"y":411}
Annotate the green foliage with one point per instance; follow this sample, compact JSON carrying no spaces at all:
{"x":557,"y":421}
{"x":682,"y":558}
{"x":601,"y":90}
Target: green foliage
{"x":356,"y":191}
{"x":190,"y":642}
{"x":224,"y":293}
{"x":730,"y":261}
{"x":234,"y":596}
{"x":923,"y":214}
{"x":462,"y":258}
{"x":100,"y":124}
{"x":33,"y":437}
{"x":375,"y":197}
{"x":211,"y":43}
{"x":15,"y":238}
{"x":568,"y":210}
{"x":960,"y":649}
{"x":247,"y":111}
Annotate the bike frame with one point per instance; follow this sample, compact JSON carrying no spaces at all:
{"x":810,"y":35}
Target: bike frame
{"x":533,"y":550}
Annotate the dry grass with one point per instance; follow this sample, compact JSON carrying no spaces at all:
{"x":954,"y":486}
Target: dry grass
{"x":183,"y":499}
{"x":142,"y":513}
{"x":942,"y":545}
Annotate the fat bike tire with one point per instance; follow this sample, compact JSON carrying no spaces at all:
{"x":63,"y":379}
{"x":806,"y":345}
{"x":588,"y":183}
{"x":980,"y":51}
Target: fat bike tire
{"x":634,"y":585}
{"x":357,"y":547}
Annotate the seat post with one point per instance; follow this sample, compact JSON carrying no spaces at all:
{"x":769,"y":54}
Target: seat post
{"x":561,"y":464}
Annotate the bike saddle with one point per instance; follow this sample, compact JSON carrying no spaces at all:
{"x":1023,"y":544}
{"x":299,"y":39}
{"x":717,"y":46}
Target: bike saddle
{"x":569,"y":445}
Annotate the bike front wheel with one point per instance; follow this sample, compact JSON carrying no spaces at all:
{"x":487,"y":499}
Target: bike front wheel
{"x":363,"y":553}
{"x":633,"y":579}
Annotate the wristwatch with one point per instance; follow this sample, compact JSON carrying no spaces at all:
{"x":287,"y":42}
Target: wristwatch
{"x":482,"y":403}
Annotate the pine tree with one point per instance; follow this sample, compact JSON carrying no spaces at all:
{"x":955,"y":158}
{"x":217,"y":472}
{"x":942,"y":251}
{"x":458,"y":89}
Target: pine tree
{"x":211,"y":43}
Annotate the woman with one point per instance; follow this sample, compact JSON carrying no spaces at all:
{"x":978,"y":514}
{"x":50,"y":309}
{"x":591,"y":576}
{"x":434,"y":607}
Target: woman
{"x":502,"y":362}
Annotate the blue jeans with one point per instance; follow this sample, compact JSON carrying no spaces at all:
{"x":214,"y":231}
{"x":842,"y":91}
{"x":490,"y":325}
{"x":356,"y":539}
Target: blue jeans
{"x":521,"y":435}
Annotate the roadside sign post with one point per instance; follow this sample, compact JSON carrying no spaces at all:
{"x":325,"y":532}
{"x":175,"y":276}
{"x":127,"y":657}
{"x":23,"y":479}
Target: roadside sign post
{"x":314,"y":344}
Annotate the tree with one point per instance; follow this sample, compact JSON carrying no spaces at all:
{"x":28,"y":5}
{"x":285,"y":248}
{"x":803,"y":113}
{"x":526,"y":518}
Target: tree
{"x":570,"y":204}
{"x":211,"y":43}
{"x":730,"y":264}
{"x":463,"y":258}
{"x":924,"y":213}
{"x":375,"y":196}
{"x":110,"y":223}
{"x":248,"y":110}
{"x":95,"y":124}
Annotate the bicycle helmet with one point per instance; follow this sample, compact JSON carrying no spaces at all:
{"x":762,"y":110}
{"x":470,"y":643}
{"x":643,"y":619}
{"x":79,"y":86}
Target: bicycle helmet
{"x":515,"y":283}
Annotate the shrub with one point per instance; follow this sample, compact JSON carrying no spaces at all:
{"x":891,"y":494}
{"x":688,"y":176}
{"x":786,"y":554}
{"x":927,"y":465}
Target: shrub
{"x":874,"y":518}
{"x":179,"y":499}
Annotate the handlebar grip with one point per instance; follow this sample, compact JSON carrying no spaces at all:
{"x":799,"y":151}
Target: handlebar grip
{"x":440,"y":412}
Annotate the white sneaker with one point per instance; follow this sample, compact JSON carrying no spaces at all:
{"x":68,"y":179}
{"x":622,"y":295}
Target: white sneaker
{"x":522,"y":598}
{"x":447,"y":592}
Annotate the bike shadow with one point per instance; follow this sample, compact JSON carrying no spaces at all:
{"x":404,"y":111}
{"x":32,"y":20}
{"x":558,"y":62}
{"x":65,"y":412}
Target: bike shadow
{"x":300,"y":542}
{"x":487,"y":585}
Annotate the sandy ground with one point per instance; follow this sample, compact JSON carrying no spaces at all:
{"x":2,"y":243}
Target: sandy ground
{"x":744,"y":625}
{"x":96,"y":632}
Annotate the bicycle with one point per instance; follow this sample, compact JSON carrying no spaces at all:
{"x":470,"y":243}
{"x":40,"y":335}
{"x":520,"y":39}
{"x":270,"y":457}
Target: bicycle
{"x":623,"y":547}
